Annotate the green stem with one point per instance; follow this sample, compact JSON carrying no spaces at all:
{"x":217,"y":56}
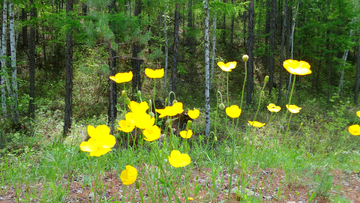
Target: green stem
{"x":262,"y":91}
{"x":227,"y":88}
{"x":292,"y":90}
{"x":243,"y":89}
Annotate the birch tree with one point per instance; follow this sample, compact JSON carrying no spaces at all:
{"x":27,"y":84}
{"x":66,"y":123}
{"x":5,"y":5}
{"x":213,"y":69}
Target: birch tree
{"x":14,"y":90}
{"x":207,"y":78}
{"x":166,"y":52}
{"x":357,"y":73}
{"x":213,"y":49}
{"x":32,"y":62}
{"x":250,"y":44}
{"x":175,"y":52}
{"x":3,"y":79}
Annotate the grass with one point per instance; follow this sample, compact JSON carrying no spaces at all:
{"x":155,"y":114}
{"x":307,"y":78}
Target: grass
{"x":316,"y":161}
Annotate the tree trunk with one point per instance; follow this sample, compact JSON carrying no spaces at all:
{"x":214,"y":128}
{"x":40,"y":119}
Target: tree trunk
{"x":282,"y":49}
{"x":166,"y":54}
{"x":136,"y":81}
{"x":245,"y":17}
{"x":190,"y":26}
{"x":14,"y":91}
{"x":213,"y":49}
{"x":175,"y":52}
{"x":32,"y":63}
{"x":250,"y":70}
{"x":4,"y":78}
{"x":224,"y":26}
{"x":231,"y":53}
{"x":272,"y":44}
{"x":357,"y":74}
{"x":69,"y":74}
{"x":207,"y":78}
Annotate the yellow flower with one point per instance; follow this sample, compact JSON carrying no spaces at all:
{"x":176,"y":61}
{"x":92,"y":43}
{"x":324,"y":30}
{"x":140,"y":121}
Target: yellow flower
{"x":173,"y":110}
{"x":100,"y":141}
{"x":158,"y":73}
{"x":122,"y":77}
{"x":273,"y":108}
{"x":233,"y":111}
{"x":293,"y":108}
{"x":193,"y":114}
{"x":297,"y":67}
{"x":176,"y":159}
{"x":190,"y":198}
{"x":129,"y":175}
{"x":126,"y":126}
{"x":138,"y":108}
{"x":152,"y":133}
{"x":358,"y":113}
{"x":186,"y":134}
{"x":354,"y":129}
{"x":256,"y":124}
{"x":228,"y":66}
{"x":140,"y":120}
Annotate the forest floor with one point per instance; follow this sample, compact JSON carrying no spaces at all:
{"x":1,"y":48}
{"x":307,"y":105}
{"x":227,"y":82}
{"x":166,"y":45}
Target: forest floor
{"x":265,"y":186}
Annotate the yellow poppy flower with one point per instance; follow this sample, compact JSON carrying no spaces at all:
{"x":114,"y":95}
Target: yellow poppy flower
{"x":190,"y":199}
{"x":129,"y":175}
{"x":233,"y":111}
{"x":126,"y":126}
{"x":122,"y":77}
{"x":358,"y":113}
{"x":186,"y":134}
{"x":152,"y":133}
{"x":293,"y":108}
{"x":193,"y":114}
{"x":138,"y":107}
{"x":158,"y":73}
{"x":354,"y":129}
{"x":100,"y":141}
{"x":176,"y":159}
{"x":256,"y":124}
{"x":297,"y":67}
{"x":140,"y":120}
{"x":273,"y":108}
{"x":173,"y":110}
{"x":228,"y":66}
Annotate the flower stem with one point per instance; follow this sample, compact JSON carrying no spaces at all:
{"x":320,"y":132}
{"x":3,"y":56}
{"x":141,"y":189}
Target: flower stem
{"x":243,"y":89}
{"x":227,"y":88}
{"x":292,"y":90}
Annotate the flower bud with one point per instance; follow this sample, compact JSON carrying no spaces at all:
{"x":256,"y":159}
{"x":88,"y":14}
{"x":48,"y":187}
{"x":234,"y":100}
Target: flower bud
{"x":152,"y":114}
{"x":222,"y":106}
{"x":137,"y":185}
{"x":123,"y":93}
{"x":245,"y":58}
{"x":301,"y":124}
{"x":215,"y":138}
{"x":127,"y":101}
{"x":139,"y":93}
{"x":266,"y":78}
{"x":175,"y":101}
{"x":188,"y":125}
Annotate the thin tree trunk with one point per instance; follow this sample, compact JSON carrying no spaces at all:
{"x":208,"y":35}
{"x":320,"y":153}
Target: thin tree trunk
{"x":292,"y":46}
{"x":166,"y":53}
{"x":213,"y":49}
{"x":245,"y":17}
{"x":24,"y":28}
{"x":69,"y":74}
{"x":136,"y":83}
{"x":207,"y":78}
{"x":272,"y":43}
{"x":250,"y":70}
{"x":4,"y":78}
{"x":231,"y":53}
{"x":357,"y":74}
{"x":190,"y":26}
{"x":282,"y":50}
{"x":224,"y":26}
{"x":32,"y":63}
{"x":175,"y":52}
{"x":14,"y":91}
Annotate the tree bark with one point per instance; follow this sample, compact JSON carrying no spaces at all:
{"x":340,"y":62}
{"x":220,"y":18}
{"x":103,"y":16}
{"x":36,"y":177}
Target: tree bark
{"x":69,"y":74}
{"x":175,"y":52}
{"x":213,"y":49}
{"x":136,"y":81}
{"x":190,"y":26}
{"x":250,"y":43}
{"x":166,"y":54}
{"x":357,"y":74}
{"x":207,"y":78}
{"x":231,"y":53}
{"x":14,"y":91}
{"x":24,"y":28}
{"x":282,"y":49}
{"x":272,"y":44}
{"x":4,"y":79}
{"x":32,"y":63}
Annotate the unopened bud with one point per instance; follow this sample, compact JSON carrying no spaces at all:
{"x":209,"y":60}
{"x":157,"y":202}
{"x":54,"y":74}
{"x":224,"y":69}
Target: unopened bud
{"x":266,"y":78}
{"x":127,"y":101}
{"x":152,"y":114}
{"x":137,"y":185}
{"x":215,"y":139}
{"x":139,"y":93}
{"x":245,"y":57}
{"x":188,"y":125}
{"x":175,"y":101}
{"x":222,"y":106}
{"x":301,"y":124}
{"x":123,"y":93}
